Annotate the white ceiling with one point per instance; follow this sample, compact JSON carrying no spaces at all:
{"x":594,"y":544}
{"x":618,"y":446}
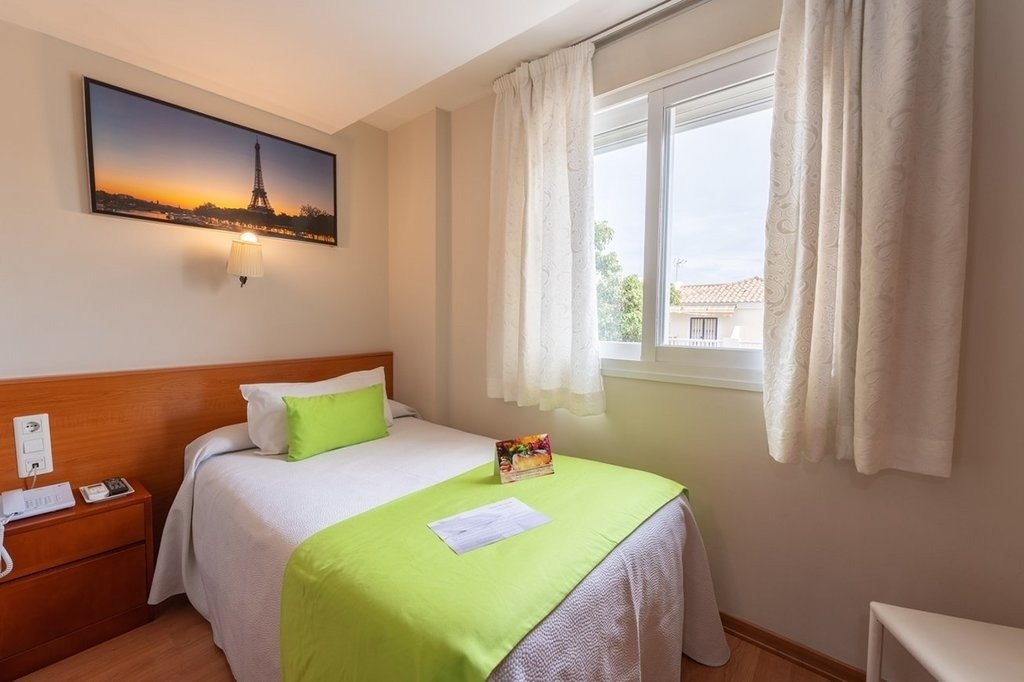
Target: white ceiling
{"x":324,"y":63}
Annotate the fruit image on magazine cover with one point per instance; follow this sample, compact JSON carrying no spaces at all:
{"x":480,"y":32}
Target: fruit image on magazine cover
{"x":524,"y":457}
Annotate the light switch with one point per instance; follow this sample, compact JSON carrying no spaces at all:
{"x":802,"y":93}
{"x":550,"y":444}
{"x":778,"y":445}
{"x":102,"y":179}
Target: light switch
{"x":34,"y":445}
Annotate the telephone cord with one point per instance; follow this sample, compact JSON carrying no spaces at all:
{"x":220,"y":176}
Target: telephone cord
{"x":5,"y":558}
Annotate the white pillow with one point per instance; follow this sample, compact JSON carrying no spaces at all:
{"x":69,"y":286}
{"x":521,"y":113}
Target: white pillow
{"x":231,"y":438}
{"x":402,"y":410}
{"x":268,"y":421}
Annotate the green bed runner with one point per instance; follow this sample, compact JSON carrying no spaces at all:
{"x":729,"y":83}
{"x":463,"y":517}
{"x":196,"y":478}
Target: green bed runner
{"x":380,"y":597}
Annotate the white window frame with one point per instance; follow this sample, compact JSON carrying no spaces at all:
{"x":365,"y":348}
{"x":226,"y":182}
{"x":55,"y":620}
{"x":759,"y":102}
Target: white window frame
{"x":751,"y":64}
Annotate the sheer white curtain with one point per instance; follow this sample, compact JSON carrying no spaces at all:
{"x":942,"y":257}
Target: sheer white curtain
{"x":867,"y":231}
{"x":542,"y":346}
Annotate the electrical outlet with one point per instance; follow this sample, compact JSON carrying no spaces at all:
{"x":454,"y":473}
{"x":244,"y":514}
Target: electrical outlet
{"x":32,"y":445}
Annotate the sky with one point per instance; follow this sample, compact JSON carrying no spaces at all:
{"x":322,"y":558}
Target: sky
{"x":159,"y":153}
{"x":718,"y":200}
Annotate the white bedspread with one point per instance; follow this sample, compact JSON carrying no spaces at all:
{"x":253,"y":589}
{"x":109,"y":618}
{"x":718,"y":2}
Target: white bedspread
{"x":238,"y":516}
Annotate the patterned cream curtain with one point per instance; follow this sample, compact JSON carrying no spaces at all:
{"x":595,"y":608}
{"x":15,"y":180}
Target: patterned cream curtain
{"x":867,"y":231}
{"x":542,"y":346}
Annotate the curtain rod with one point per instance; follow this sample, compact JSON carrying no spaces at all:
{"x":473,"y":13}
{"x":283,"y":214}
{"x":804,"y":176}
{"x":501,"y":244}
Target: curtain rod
{"x":637,"y":22}
{"x":642,"y":20}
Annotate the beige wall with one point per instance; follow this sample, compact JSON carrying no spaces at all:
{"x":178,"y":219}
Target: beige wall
{"x":419,"y":233}
{"x":802,"y":549}
{"x":82,"y":292}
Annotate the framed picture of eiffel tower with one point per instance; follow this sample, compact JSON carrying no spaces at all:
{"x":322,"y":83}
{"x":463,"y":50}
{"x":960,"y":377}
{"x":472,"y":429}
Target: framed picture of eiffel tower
{"x":158,"y":161}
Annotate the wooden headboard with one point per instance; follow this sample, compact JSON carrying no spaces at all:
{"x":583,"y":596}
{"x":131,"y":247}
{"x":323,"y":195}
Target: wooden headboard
{"x":138,"y":423}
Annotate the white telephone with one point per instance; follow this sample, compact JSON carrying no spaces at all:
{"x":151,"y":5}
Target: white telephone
{"x":22,"y":504}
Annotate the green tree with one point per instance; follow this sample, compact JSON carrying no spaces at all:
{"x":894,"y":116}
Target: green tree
{"x":620,"y":302}
{"x":631,"y":323}
{"x":609,"y":284}
{"x":675,"y":294}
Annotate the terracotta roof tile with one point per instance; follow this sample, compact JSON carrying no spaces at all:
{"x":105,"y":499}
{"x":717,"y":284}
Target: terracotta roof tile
{"x":744,"y":291}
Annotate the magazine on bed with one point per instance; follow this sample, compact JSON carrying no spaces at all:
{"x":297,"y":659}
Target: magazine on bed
{"x":524,"y":457}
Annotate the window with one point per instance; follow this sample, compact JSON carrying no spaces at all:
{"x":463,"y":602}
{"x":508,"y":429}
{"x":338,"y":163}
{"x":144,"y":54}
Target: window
{"x":704,"y":328}
{"x":681,"y":178}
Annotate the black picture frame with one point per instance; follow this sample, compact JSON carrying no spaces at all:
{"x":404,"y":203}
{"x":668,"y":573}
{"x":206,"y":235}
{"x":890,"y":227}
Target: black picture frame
{"x":158,"y":161}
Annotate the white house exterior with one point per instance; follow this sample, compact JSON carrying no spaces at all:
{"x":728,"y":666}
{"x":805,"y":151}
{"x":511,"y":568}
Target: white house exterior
{"x":728,"y":315}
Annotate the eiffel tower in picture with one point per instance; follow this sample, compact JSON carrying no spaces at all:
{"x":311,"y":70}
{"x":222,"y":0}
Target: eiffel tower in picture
{"x":259,"y":201}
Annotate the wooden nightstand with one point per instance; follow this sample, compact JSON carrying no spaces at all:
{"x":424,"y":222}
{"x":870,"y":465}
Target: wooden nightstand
{"x":81,"y":576}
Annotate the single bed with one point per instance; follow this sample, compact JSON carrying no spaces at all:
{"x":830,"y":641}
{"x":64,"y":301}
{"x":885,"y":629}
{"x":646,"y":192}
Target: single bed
{"x":238,"y":516}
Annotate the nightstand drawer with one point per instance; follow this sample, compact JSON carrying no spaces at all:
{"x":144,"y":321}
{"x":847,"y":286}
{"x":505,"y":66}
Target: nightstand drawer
{"x":47,"y":605}
{"x":62,"y":543}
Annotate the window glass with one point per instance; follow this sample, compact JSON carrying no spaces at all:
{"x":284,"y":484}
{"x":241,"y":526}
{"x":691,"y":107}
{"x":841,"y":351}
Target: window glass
{"x":620,"y":175}
{"x":716,"y":202}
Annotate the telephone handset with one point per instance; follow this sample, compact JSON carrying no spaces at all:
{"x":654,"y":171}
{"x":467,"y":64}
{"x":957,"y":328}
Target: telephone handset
{"x":22,"y":504}
{"x":6,"y":562}
{"x":11,"y":503}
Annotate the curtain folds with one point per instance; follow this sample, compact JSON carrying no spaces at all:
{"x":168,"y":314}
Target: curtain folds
{"x":867,"y":231}
{"x":542,"y":346}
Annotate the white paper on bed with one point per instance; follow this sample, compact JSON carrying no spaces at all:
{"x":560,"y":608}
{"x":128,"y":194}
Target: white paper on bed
{"x":238,"y":516}
{"x":486,"y":525}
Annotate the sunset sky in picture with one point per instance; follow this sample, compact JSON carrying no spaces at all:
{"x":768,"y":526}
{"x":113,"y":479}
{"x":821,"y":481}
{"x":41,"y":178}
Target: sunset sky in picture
{"x":159,"y":153}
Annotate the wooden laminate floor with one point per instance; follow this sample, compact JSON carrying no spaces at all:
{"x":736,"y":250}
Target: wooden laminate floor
{"x":178,"y":646}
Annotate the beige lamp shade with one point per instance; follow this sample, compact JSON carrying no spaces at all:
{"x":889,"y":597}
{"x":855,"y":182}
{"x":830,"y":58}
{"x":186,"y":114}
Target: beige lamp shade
{"x":246,"y":258}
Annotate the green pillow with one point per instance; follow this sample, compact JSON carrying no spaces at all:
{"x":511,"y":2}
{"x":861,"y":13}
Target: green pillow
{"x":326,"y":422}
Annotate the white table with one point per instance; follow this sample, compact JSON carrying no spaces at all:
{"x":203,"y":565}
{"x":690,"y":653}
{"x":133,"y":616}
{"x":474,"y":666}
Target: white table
{"x":949,"y":648}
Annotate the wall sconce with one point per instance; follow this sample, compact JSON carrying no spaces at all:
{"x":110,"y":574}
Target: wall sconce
{"x":246,"y":258}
